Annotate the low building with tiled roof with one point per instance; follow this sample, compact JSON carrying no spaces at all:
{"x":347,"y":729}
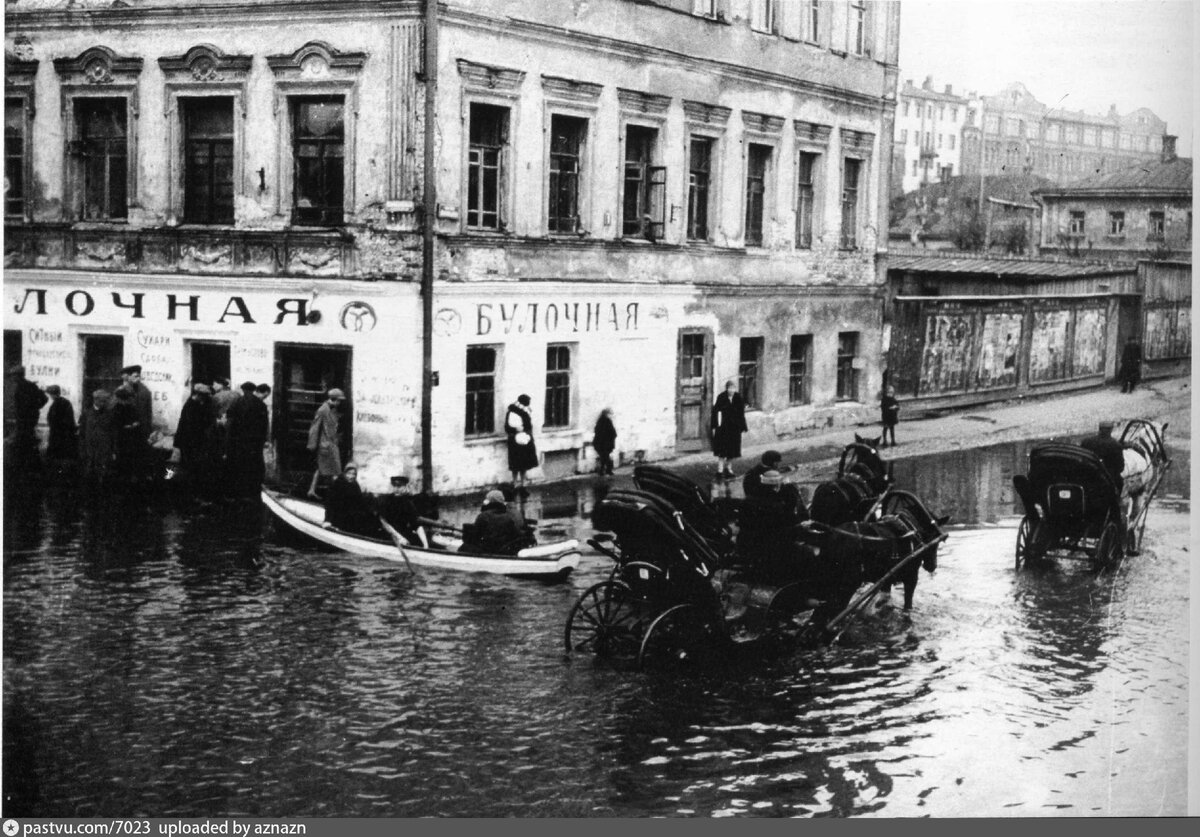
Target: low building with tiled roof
{"x":1143,"y":210}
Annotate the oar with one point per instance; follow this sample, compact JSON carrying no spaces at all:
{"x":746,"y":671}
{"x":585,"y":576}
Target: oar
{"x":439,"y":525}
{"x":398,"y":541}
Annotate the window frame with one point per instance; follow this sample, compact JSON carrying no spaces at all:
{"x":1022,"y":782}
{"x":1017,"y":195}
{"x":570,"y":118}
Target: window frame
{"x":98,"y":73}
{"x":814,"y":173}
{"x":708,"y":123}
{"x":566,"y":394}
{"x":764,"y":16}
{"x":858,"y":29}
{"x":22,"y":99}
{"x":750,"y":372}
{"x":692,"y":231}
{"x":856,"y":146}
{"x":1073,"y":228}
{"x":578,"y":100}
{"x":497,"y":358}
{"x":804,"y":376}
{"x":504,"y":171}
{"x":1116,"y":223}
{"x":643,"y":111}
{"x":812,"y":24}
{"x":316,"y":70}
{"x":187,"y":139}
{"x":1156,"y":225}
{"x":79,"y":164}
{"x":847,"y":374}
{"x":767,"y":154}
{"x":765,"y":131}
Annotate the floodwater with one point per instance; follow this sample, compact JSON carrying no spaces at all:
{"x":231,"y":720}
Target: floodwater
{"x":162,"y":663}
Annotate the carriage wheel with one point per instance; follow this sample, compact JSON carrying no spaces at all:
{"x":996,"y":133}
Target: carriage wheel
{"x":679,"y":636}
{"x":1108,"y":547}
{"x":606,"y":621}
{"x":1028,"y":536}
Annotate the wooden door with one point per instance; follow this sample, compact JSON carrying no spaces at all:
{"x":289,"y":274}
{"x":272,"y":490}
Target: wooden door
{"x":693,"y":390}
{"x":303,"y":376}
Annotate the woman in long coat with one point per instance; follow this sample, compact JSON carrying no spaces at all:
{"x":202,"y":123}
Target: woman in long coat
{"x":728,"y":425}
{"x":60,"y":419}
{"x":522,"y":453}
{"x":604,"y":440}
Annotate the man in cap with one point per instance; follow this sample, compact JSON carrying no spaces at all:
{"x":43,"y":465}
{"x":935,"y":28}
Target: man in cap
{"x":325,"y":441}
{"x":143,"y":399}
{"x":752,"y":483}
{"x":495,"y":531}
{"x":249,"y":429}
{"x":97,"y":438}
{"x":400,"y":512}
{"x":1110,"y":451}
{"x":767,"y":521}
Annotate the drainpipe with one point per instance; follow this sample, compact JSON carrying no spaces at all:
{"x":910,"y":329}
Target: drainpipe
{"x":429,"y":191}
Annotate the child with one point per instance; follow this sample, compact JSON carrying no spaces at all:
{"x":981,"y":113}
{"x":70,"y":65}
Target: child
{"x":890,"y":408}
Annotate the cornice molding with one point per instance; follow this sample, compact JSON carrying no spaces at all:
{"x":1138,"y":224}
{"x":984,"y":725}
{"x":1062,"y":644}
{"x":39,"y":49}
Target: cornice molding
{"x":205,"y":62}
{"x":635,"y":101}
{"x":252,"y":11}
{"x":566,"y":89}
{"x":317,"y":60}
{"x":812,"y":133}
{"x":762,"y":123}
{"x":98,"y":65}
{"x":700,"y":113}
{"x":18,"y":73}
{"x":856,"y":140}
{"x":491,"y":79}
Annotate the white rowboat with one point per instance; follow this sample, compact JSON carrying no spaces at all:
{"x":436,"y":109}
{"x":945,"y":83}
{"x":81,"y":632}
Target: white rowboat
{"x":551,"y":561}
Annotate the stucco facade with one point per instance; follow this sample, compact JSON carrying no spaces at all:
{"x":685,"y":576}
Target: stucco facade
{"x":928,"y":141}
{"x":576,"y":257}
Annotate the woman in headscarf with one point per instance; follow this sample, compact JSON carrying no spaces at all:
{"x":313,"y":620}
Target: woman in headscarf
{"x":346,"y":507}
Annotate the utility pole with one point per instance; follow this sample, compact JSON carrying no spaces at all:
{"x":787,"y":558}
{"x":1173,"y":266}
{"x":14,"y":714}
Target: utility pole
{"x":429,"y":224}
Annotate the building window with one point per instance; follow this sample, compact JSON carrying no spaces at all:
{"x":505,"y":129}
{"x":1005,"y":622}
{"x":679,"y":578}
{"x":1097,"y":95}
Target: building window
{"x":1075,"y":223}
{"x":799,"y":363}
{"x":805,"y":199}
{"x":952,"y":142}
{"x":749,"y":369}
{"x":758,"y":160}
{"x":914,"y":171}
{"x":1116,"y":223}
{"x":814,"y":26}
{"x":906,"y":104}
{"x":939,"y":145}
{"x":1157,"y":226}
{"x":558,"y":386}
{"x":568,"y":134}
{"x":1089,"y":136}
{"x":847,"y":375}
{"x":764,"y":16}
{"x":100,"y":150}
{"x":481,"y":390}
{"x":15,"y":149}
{"x":903,"y":136}
{"x":645,"y":185}
{"x":699,"y":178}
{"x":208,"y":160}
{"x":916,"y":137}
{"x":486,"y":158}
{"x":704,"y":8}
{"x":941,"y":112}
{"x":850,"y":176}
{"x":954,"y":113}
{"x":318,"y":152}
{"x":858,"y":27}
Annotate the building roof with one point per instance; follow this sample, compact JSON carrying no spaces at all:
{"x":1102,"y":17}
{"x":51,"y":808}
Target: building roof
{"x":1152,"y":175}
{"x":1004,"y":268}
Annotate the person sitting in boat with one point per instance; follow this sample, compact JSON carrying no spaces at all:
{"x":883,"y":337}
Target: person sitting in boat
{"x":346,"y":507}
{"x":400,"y":512}
{"x":495,"y":531}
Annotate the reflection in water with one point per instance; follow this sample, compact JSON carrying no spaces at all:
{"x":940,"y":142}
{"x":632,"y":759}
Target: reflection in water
{"x":175,"y":662}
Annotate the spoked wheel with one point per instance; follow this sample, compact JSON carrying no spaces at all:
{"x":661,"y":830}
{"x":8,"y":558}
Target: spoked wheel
{"x":1025,"y":540}
{"x":1108,"y":548}
{"x":606,"y":622}
{"x":678,"y":637}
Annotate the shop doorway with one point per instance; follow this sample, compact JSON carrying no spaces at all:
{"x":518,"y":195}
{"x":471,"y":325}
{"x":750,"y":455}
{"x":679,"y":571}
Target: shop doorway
{"x":693,"y":390}
{"x":103,"y":359}
{"x":304,"y":373}
{"x":209,"y":360}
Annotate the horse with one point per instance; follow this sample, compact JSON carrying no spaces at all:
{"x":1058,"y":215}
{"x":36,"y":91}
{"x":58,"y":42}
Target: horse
{"x":862,"y":477}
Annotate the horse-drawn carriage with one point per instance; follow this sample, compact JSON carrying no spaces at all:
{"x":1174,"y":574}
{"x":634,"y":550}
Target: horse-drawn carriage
{"x":682,"y":586}
{"x":1075,"y":508}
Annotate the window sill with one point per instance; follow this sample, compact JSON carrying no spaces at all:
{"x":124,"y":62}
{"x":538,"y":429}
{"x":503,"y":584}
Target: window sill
{"x":484,"y":439}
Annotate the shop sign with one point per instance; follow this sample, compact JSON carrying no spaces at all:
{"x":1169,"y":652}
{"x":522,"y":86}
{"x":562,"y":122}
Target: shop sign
{"x":549,"y":317}
{"x":169,"y":307}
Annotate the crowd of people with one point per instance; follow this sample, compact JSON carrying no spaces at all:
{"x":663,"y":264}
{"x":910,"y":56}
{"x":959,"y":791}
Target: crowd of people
{"x":219,"y":437}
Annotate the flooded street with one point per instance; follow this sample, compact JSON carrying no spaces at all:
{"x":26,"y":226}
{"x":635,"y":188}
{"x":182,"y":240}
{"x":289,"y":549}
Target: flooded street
{"x":161,"y":663}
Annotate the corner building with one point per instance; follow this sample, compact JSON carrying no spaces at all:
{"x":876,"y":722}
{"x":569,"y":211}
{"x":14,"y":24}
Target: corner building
{"x":635,"y":203}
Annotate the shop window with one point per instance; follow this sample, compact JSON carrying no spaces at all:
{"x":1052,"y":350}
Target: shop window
{"x":16,"y":151}
{"x":208,"y":160}
{"x":567,"y":137}
{"x":558,"y":386}
{"x":799,"y":364}
{"x":209,"y":360}
{"x":644,"y":210}
{"x":487,"y":167}
{"x":1157,"y":226}
{"x":758,"y":161}
{"x":481,"y":390}
{"x":805,"y":199}
{"x":850,"y":178}
{"x":100,"y":154}
{"x":1116,"y":223}
{"x":318,"y":154}
{"x":847,"y":375}
{"x":699,"y":179}
{"x":750,"y":356}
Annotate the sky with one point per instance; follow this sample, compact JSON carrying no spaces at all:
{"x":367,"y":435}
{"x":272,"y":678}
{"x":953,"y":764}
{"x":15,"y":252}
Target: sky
{"x":1077,"y":54}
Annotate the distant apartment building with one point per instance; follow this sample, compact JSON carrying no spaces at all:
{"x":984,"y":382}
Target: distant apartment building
{"x":1021,"y":135}
{"x":928,"y":139}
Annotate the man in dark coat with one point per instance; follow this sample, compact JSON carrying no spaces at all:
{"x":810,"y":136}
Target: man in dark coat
{"x":60,"y":419}
{"x":1131,"y":364}
{"x":249,"y":429}
{"x":752,"y":483}
{"x":400,"y":511}
{"x":28,"y":401}
{"x":1110,"y":451}
{"x":522,"y":452}
{"x":97,"y":438}
{"x":604,"y":441}
{"x":727,"y":426}
{"x":129,"y":461}
{"x":143,"y":402}
{"x":194,"y":438}
{"x":495,"y":532}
